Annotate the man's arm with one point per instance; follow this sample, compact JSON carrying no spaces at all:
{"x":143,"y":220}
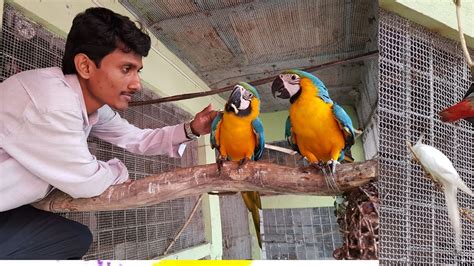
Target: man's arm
{"x":116,"y":130}
{"x":53,"y":147}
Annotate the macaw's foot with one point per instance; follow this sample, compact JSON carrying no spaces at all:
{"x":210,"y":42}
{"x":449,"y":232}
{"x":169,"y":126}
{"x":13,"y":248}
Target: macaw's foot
{"x":243,"y":162}
{"x":220,"y":163}
{"x":331,"y":178}
{"x":317,"y":165}
{"x":332,"y":166}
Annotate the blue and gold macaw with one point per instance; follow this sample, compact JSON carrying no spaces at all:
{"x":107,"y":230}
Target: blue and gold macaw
{"x":318,"y":128}
{"x":237,"y":133}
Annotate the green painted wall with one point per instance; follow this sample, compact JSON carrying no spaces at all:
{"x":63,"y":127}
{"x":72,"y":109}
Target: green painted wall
{"x":274,"y":125}
{"x":437,"y":15}
{"x":296,"y":201}
{"x":1,"y":13}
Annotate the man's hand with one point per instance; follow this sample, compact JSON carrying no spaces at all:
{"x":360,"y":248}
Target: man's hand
{"x":201,"y":123}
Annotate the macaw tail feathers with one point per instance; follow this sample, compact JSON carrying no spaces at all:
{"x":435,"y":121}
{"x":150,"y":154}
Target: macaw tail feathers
{"x":253,"y":203}
{"x":345,"y":157}
{"x":348,"y":158}
{"x":463,"y":109}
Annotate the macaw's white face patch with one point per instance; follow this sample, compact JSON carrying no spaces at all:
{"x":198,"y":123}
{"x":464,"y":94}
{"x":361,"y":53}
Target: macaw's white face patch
{"x":291,"y":83}
{"x":240,"y":98}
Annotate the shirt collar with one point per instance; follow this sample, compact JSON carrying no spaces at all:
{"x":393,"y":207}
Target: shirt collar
{"x":73,"y":81}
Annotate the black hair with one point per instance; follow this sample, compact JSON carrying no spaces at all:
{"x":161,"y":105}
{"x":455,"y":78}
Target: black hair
{"x":97,"y":32}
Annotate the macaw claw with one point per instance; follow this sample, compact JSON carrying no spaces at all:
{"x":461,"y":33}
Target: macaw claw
{"x":243,"y":161}
{"x":318,"y":165}
{"x":220,"y":163}
{"x":332,"y":164}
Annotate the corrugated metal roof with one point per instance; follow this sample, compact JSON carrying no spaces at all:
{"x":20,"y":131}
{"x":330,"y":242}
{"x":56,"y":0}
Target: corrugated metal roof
{"x":229,"y":41}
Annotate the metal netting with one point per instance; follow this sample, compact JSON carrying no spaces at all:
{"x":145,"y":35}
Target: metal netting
{"x":420,"y":74}
{"x":298,"y":233}
{"x":301,"y":234}
{"x":26,"y":45}
{"x":141,"y":233}
{"x":236,"y":238}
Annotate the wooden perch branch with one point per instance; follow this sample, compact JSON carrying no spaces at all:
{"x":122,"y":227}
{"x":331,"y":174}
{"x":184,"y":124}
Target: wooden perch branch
{"x":253,"y":176}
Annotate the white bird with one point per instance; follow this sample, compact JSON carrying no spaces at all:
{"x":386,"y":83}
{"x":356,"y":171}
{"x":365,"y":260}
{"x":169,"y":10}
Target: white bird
{"x":442,"y":171}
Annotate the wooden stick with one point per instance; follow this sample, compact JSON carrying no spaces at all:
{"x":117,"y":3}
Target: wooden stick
{"x":461,"y":36}
{"x":179,"y":183}
{"x":254,"y":83}
{"x":184,"y":225}
{"x":280,"y":149}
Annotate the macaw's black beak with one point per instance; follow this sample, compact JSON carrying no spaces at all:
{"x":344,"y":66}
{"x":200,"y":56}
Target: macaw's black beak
{"x":279,"y":86}
{"x":234,"y":101}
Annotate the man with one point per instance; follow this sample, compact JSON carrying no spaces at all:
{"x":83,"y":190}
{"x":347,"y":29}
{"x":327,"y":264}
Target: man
{"x":46,"y":116}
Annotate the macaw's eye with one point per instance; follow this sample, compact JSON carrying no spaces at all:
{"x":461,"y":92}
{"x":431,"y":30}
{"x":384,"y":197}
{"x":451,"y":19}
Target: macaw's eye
{"x":247,"y":95}
{"x":293,"y":77}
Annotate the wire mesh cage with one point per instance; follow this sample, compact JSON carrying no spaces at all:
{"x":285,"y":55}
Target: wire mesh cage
{"x":236,"y":237}
{"x":298,"y":233}
{"x":141,"y":233}
{"x":420,"y":74}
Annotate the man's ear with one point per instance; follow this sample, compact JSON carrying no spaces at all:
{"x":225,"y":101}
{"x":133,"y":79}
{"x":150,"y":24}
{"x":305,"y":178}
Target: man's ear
{"x":83,"y":65}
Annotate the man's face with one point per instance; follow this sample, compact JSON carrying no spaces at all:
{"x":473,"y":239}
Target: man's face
{"x":117,"y":78}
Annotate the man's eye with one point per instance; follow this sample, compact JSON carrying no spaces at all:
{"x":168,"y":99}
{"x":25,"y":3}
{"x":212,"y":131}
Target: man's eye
{"x":125,"y":69}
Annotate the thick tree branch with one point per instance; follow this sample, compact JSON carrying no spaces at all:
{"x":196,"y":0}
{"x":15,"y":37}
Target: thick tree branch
{"x":253,"y":176}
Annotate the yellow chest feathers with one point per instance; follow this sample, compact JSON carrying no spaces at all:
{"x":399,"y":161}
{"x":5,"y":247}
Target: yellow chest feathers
{"x":237,"y":138}
{"x":316,"y":129}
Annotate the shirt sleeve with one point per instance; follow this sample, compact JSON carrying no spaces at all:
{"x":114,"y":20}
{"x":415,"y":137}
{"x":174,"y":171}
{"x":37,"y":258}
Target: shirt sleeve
{"x":170,"y":140}
{"x":53,"y":146}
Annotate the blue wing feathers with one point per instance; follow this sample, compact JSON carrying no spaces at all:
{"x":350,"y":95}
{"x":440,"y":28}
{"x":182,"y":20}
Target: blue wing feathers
{"x":346,"y":125}
{"x":288,"y":135}
{"x":288,"y":130}
{"x":258,"y":129}
{"x":214,"y":128}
